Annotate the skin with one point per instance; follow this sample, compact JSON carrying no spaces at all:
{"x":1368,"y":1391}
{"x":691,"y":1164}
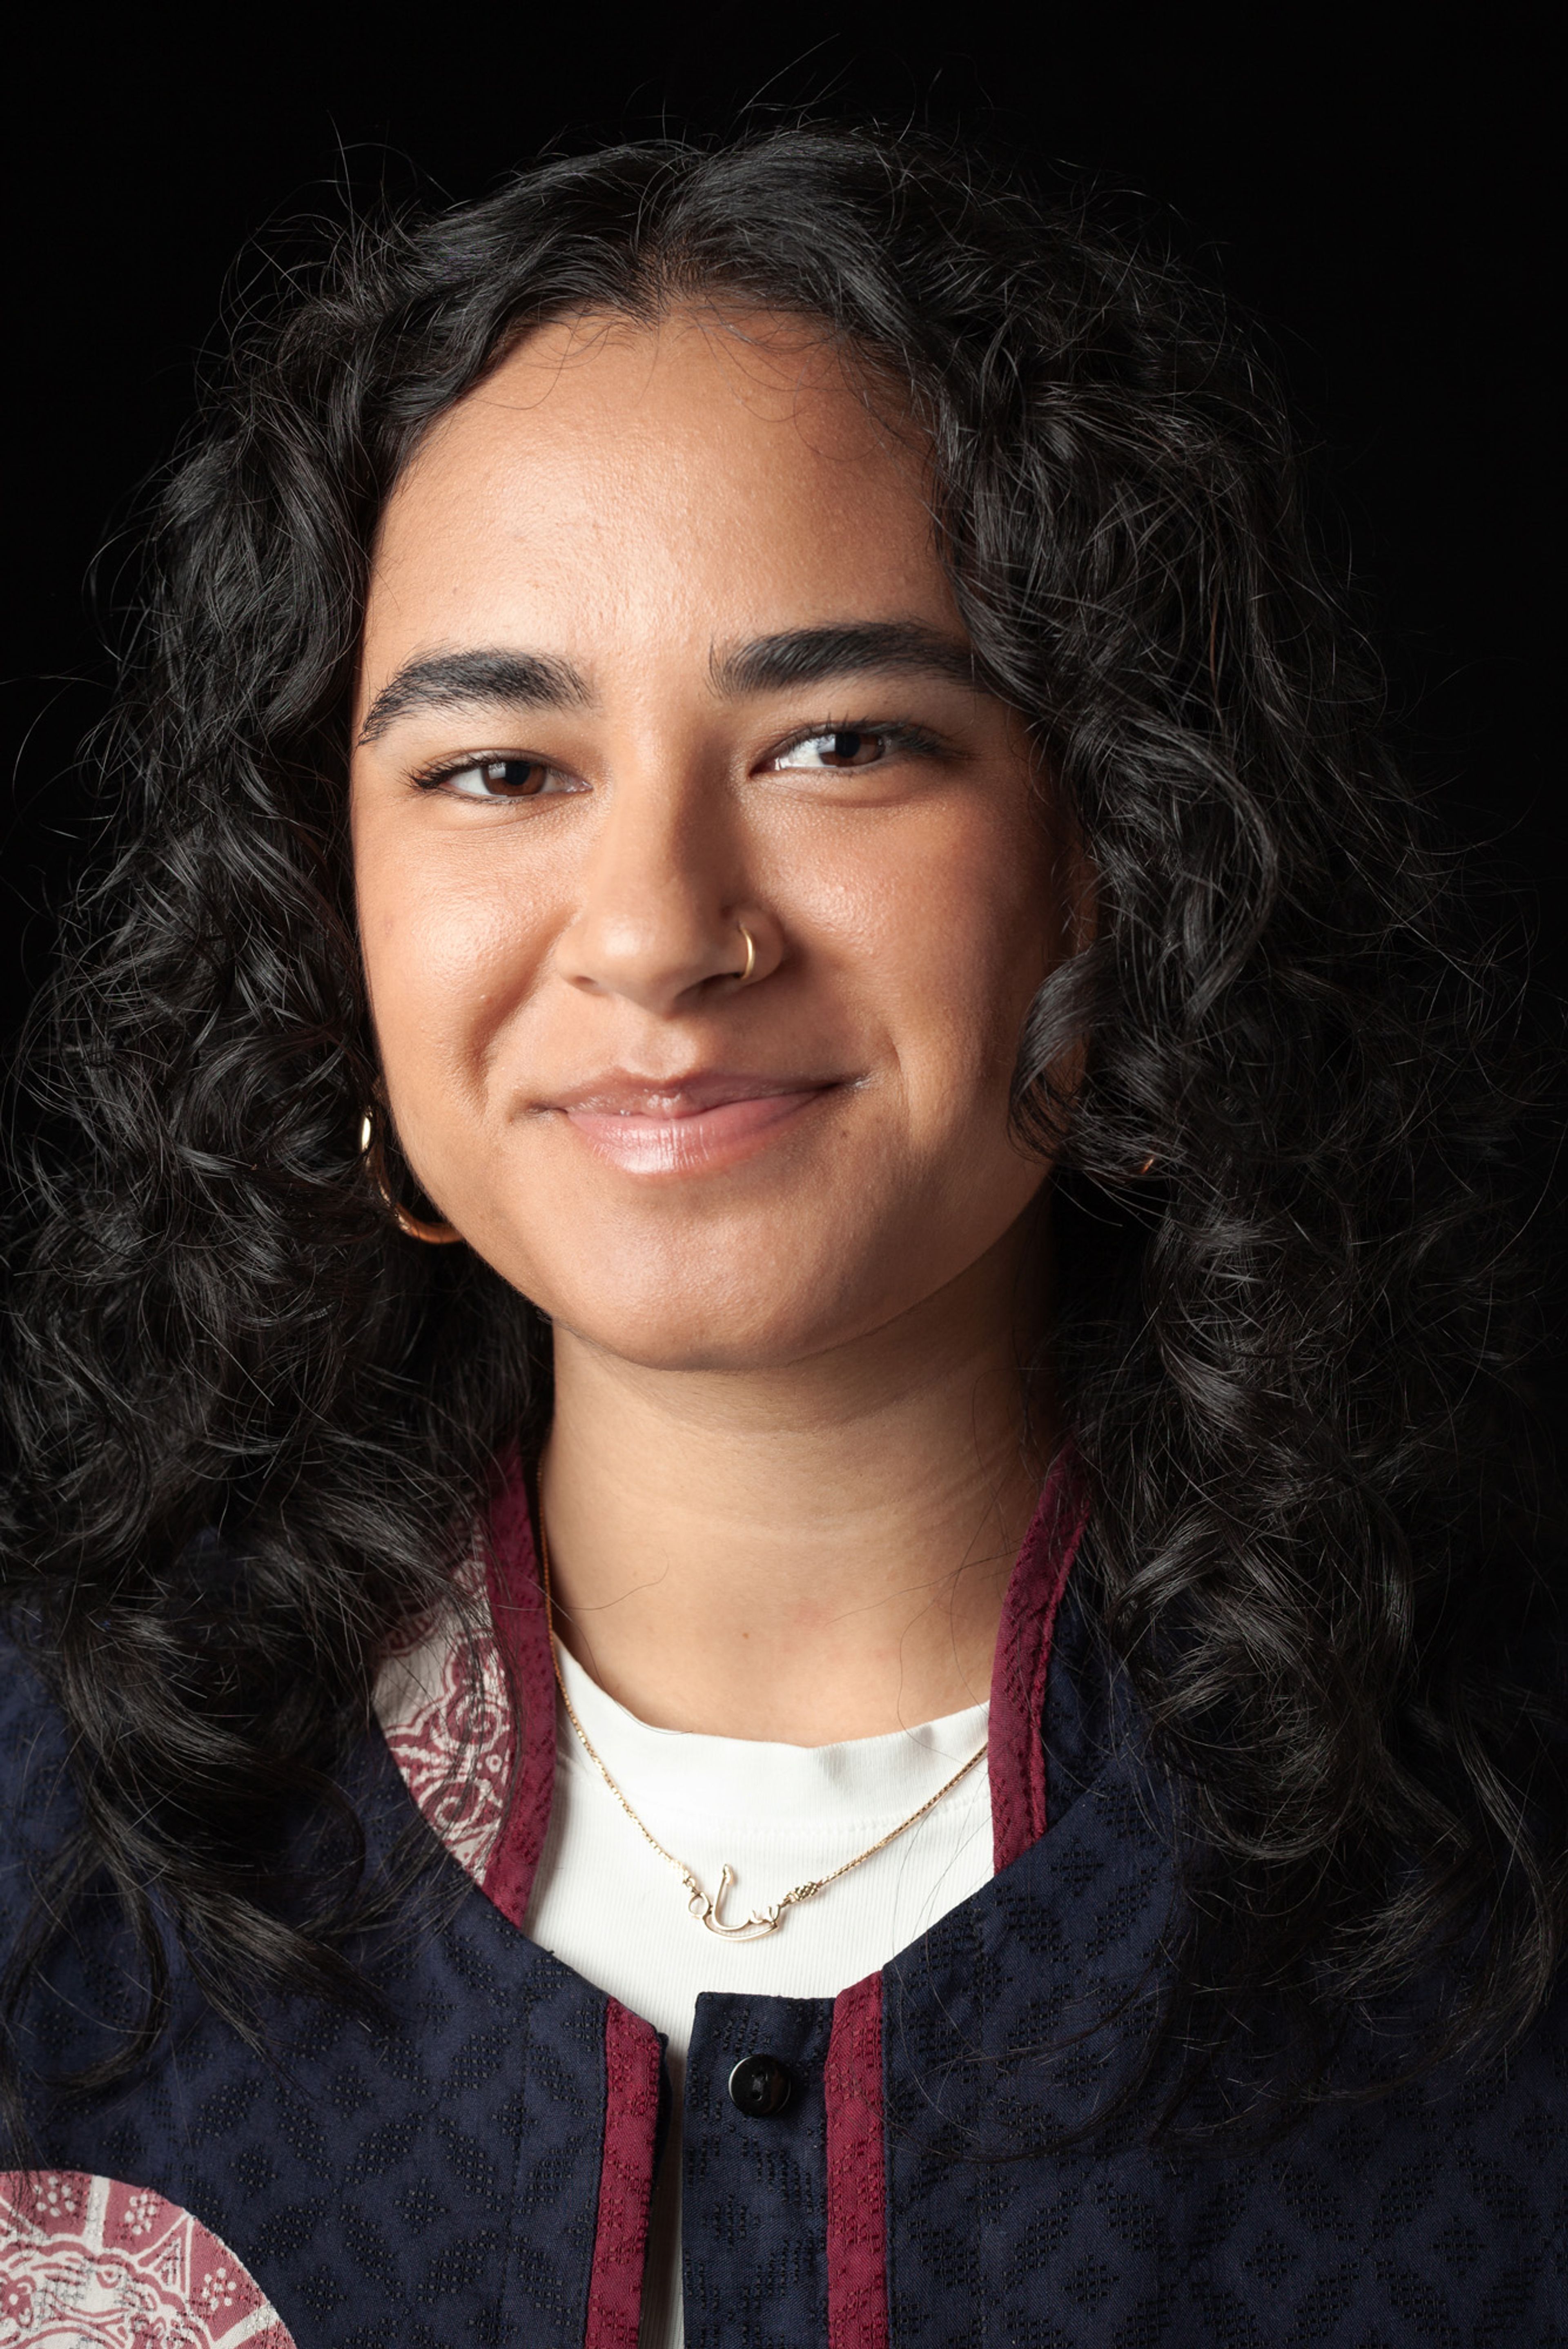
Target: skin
{"x":778,"y":1223}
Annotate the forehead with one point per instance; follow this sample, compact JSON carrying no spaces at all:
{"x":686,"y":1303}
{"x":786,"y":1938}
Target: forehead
{"x":713,"y":474}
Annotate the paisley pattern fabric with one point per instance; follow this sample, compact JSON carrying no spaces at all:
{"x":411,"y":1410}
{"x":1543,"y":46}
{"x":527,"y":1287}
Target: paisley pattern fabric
{"x":90,"y":2263}
{"x":440,"y":1700}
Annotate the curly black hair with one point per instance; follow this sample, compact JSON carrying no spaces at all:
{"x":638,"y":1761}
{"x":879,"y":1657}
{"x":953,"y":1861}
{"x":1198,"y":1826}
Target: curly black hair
{"x":253,"y":1424}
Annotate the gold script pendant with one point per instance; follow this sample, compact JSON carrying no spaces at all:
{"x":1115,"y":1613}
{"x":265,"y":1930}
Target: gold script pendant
{"x":761,"y":1922}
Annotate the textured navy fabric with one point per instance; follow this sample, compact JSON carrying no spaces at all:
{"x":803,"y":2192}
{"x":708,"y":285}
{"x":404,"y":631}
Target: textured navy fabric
{"x":427,"y":2179}
{"x":1437,"y":2217}
{"x":432,"y":2179}
{"x":754,"y":2193}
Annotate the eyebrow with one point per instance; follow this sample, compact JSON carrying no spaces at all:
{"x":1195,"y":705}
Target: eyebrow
{"x":858,"y":649}
{"x":520,"y":680}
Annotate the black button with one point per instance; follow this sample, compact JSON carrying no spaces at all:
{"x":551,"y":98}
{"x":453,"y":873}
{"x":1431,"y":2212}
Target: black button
{"x":760,"y":2084}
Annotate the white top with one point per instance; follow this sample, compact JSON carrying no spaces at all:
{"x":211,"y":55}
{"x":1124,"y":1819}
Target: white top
{"x":613,"y":1911}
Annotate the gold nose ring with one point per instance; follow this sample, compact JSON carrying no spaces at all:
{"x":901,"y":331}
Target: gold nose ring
{"x":751,"y":953}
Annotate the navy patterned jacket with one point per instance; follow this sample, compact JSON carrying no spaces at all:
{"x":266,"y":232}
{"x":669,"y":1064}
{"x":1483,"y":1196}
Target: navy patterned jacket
{"x":475,"y":2166}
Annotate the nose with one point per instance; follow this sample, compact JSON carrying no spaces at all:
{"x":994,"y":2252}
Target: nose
{"x":662,"y":918}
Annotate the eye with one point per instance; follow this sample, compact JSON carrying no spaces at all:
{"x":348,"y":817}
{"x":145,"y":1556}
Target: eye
{"x":502,"y":779}
{"x":838,"y":747}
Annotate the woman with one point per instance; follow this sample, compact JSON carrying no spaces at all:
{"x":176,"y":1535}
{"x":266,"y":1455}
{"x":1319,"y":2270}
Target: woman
{"x":769,"y":1318}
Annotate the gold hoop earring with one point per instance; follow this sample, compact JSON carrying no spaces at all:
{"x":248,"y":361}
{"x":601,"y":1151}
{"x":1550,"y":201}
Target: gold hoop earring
{"x":743,"y":976}
{"x":433,"y":1235}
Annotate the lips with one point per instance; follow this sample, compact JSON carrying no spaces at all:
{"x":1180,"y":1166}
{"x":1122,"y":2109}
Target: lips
{"x":701,"y":1123}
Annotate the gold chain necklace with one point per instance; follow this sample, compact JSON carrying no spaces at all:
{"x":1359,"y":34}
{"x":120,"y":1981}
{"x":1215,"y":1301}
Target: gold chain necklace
{"x":699,"y":1904}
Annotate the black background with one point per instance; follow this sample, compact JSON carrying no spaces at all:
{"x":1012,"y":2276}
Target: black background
{"x":1373,"y":187}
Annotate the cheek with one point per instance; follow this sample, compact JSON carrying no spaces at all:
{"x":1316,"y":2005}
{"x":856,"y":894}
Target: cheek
{"x":958,"y":939}
{"x":445,"y":949}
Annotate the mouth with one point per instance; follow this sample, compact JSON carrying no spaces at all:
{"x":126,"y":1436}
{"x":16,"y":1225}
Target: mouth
{"x":696,"y":1124}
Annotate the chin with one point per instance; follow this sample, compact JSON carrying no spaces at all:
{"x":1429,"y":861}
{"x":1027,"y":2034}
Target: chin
{"x":748,"y":1294}
{"x":691,"y":1334}
{"x":717,"y":1316}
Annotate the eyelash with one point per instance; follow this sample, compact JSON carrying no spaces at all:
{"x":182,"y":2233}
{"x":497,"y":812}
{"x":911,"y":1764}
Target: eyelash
{"x":430,"y":778}
{"x":896,"y":736}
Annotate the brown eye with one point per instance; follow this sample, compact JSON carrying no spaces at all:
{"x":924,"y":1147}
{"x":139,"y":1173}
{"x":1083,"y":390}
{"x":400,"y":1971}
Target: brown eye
{"x":853,"y":749}
{"x":504,"y":779}
{"x":844,"y":746}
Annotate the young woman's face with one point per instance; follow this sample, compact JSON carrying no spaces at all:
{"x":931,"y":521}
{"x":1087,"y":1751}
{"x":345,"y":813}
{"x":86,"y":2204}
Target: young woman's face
{"x":658,"y":657}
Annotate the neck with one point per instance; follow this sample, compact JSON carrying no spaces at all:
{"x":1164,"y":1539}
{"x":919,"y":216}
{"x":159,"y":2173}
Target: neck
{"x":807,"y":1553}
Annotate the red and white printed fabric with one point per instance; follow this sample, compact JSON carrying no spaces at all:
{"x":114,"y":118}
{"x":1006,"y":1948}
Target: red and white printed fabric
{"x":91,"y":2263}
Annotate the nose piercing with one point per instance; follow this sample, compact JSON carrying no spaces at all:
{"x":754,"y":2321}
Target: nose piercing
{"x":751,"y":953}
